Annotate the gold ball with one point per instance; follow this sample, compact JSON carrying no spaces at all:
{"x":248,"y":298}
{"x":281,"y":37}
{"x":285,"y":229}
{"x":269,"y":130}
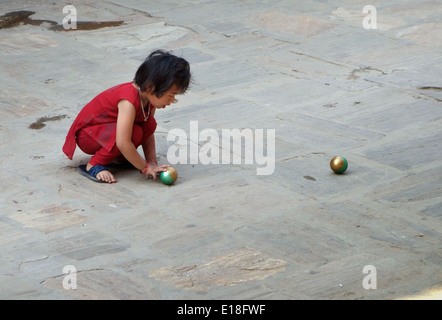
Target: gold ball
{"x":338,"y":164}
{"x":173,"y":173}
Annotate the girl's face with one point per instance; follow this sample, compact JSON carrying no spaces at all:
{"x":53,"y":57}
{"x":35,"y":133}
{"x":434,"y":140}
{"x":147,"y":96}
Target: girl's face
{"x":165,"y":100}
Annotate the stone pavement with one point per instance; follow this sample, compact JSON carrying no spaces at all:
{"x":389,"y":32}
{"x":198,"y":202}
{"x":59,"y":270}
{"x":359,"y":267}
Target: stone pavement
{"x":307,"y":69}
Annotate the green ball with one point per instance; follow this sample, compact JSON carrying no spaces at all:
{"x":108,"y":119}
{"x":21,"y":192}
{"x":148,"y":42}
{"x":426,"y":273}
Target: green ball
{"x":166,"y":178}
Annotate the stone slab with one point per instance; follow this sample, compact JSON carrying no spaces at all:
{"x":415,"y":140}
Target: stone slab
{"x":309,"y":71}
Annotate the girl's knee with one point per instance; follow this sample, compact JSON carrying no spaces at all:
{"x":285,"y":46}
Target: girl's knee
{"x":86,"y":143}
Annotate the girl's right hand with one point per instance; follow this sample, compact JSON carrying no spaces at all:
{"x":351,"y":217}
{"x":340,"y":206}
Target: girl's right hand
{"x":154,"y":169}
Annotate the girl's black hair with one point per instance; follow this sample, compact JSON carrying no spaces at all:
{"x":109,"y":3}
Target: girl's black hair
{"x":161,"y":70}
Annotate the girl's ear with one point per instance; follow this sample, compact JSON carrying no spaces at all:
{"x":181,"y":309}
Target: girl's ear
{"x":150,"y":88}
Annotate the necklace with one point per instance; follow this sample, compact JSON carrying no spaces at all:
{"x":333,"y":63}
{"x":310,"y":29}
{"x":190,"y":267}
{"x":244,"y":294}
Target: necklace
{"x":142,"y":106}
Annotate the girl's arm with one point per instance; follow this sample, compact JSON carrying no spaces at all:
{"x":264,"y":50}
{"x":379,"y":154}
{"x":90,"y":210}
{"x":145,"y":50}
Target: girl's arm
{"x":149,"y":149}
{"x":150,"y":155}
{"x":125,"y":122}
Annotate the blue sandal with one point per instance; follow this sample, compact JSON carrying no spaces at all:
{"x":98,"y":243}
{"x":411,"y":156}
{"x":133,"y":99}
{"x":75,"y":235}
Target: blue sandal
{"x":92,"y":173}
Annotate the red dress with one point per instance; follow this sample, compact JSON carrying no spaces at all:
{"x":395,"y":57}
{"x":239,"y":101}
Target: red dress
{"x":99,"y":118}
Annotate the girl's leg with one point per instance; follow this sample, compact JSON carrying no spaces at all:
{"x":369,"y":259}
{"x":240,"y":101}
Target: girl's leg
{"x":148,"y":128}
{"x":140,"y":134}
{"x":89,"y":146}
{"x":101,"y":156}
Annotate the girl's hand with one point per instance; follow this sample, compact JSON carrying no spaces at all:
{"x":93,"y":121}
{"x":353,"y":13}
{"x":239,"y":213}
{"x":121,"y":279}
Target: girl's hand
{"x":153,"y":169}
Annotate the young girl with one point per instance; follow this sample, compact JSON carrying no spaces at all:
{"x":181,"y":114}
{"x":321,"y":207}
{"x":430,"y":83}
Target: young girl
{"x":116,"y":122}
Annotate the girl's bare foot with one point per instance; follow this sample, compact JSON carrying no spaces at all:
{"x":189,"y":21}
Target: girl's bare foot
{"x":104,"y":175}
